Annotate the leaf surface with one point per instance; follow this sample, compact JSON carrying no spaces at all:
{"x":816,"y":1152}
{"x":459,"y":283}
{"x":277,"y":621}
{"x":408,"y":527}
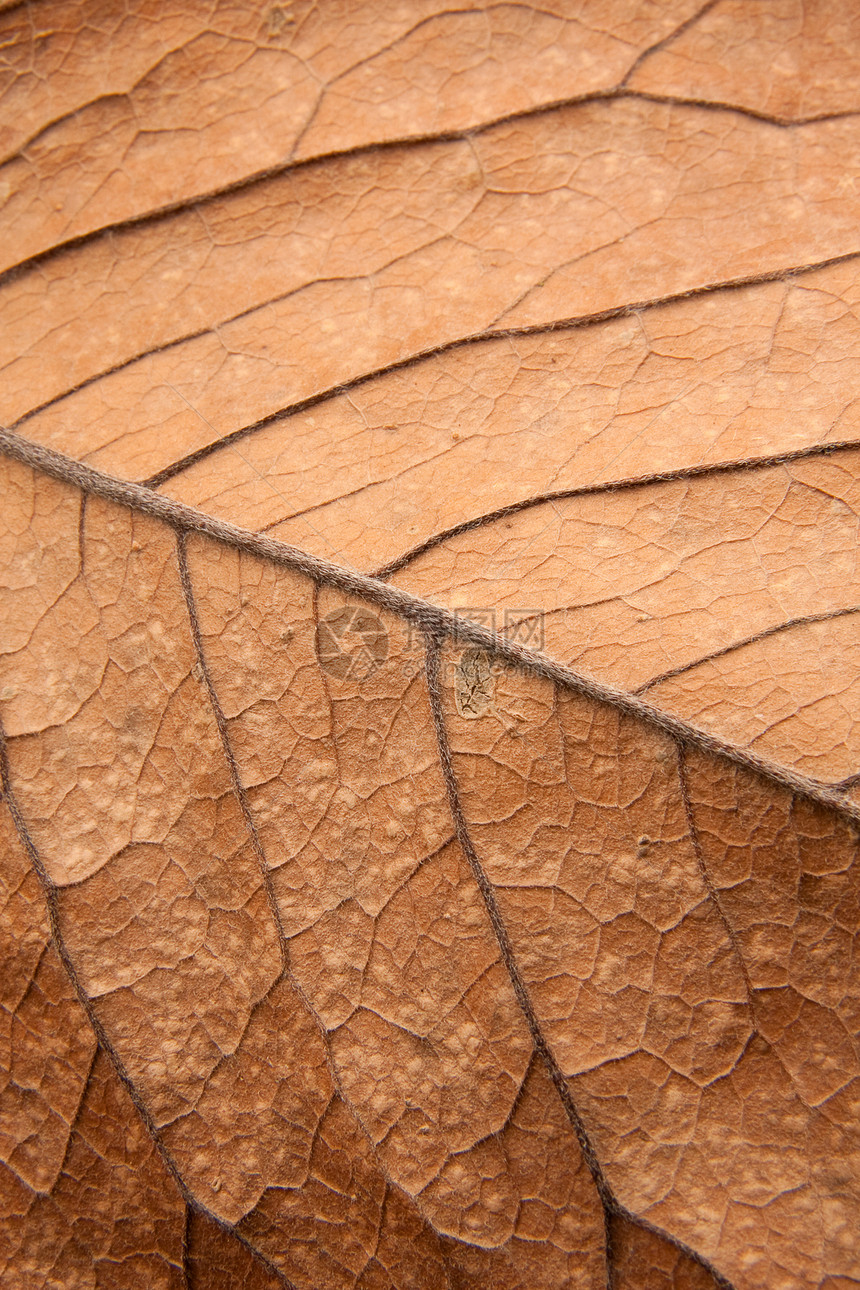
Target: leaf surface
{"x":430,"y":647}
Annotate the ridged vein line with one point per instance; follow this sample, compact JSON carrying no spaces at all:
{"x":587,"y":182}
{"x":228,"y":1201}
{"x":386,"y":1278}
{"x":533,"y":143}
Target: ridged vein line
{"x":429,"y":618}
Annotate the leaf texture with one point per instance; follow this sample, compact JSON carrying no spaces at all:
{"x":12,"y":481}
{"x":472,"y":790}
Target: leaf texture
{"x":431,"y":726}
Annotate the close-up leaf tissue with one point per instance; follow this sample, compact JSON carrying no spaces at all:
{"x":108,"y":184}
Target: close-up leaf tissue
{"x":430,"y":645}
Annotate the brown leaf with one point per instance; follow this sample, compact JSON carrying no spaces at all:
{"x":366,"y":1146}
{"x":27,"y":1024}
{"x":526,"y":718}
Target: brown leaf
{"x":485,"y":917}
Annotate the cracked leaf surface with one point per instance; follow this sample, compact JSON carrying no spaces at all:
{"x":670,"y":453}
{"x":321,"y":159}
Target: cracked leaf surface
{"x":486,"y":917}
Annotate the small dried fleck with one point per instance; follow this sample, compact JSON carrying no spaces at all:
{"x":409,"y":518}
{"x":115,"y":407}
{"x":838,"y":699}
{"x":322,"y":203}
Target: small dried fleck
{"x":474,"y":685}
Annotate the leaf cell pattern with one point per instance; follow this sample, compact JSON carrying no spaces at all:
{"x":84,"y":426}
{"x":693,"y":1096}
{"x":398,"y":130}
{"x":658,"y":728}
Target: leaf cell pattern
{"x":419,"y":873}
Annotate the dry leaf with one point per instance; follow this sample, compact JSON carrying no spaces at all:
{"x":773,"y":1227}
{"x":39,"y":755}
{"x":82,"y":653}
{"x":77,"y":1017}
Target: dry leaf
{"x":430,"y":643}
